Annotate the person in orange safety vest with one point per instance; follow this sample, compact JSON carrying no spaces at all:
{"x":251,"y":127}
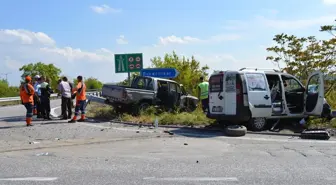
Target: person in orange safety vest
{"x":27,"y":97}
{"x":80,"y":92}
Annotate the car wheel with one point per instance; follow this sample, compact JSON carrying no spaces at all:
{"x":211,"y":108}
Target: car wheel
{"x":235,"y":130}
{"x":257,"y":124}
{"x":143,"y":106}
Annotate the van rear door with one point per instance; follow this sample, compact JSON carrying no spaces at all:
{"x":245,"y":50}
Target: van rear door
{"x":216,"y":99}
{"x":259,"y":95}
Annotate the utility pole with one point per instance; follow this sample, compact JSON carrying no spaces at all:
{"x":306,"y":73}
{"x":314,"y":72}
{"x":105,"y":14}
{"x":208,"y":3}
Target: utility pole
{"x":6,"y":74}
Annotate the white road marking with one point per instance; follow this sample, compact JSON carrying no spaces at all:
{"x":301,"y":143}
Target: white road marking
{"x":228,"y":179}
{"x":30,"y":179}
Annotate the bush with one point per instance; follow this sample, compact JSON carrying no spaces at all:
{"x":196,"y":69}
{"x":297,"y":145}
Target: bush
{"x":8,"y":91}
{"x":149,"y":115}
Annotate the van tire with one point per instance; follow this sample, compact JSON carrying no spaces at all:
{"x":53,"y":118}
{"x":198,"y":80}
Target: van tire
{"x":257,"y":124}
{"x":235,"y":130}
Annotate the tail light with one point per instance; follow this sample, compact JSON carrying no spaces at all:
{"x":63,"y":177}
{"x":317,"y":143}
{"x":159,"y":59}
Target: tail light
{"x":239,"y":96}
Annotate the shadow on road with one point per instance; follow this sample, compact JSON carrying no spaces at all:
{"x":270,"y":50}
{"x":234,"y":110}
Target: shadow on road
{"x":12,"y":119}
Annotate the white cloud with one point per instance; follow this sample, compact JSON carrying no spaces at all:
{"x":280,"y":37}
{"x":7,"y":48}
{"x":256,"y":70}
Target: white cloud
{"x":104,"y":9}
{"x":189,"y":40}
{"x":19,"y":47}
{"x":329,"y":2}
{"x":121,"y":40}
{"x":25,"y":37}
{"x":12,"y":64}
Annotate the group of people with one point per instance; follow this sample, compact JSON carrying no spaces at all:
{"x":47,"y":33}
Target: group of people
{"x":35,"y":96}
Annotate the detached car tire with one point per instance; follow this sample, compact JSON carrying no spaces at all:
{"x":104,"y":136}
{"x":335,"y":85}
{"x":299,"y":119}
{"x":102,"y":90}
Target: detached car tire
{"x":235,"y":130}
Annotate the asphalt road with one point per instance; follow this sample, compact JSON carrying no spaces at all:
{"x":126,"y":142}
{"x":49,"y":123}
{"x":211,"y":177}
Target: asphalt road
{"x":110,"y":153}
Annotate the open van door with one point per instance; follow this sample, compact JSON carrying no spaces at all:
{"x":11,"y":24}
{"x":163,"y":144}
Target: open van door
{"x":314,"y":99}
{"x":259,"y":94}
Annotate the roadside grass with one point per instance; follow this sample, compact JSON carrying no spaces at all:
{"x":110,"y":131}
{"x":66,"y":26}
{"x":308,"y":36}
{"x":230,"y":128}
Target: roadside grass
{"x":196,"y":118}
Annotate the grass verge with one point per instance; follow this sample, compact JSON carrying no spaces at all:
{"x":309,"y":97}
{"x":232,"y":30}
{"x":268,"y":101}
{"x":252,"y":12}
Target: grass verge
{"x":106,"y":112}
{"x":196,"y":118}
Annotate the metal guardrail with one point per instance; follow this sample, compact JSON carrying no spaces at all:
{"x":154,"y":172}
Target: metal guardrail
{"x":17,"y":98}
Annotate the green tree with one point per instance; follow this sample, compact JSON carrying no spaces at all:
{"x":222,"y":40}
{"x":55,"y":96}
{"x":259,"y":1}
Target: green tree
{"x":303,"y":55}
{"x":48,"y":70}
{"x":125,"y":82}
{"x":190,"y":70}
{"x":6,"y":90}
{"x":91,"y":83}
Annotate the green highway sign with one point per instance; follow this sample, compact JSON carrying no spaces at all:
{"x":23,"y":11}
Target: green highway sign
{"x":130,"y":62}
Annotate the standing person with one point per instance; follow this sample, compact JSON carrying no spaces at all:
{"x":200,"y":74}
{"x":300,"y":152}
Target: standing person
{"x":65,"y":89}
{"x":80,"y":91}
{"x":27,"y":98}
{"x":45,"y":97}
{"x":36,"y":100}
{"x":59,"y":94}
{"x":37,"y":86}
{"x":203,"y":93}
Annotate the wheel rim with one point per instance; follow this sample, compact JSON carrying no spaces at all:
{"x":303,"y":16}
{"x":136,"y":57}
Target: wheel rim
{"x":259,"y":123}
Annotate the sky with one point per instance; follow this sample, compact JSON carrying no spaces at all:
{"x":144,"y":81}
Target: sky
{"x":82,"y":36}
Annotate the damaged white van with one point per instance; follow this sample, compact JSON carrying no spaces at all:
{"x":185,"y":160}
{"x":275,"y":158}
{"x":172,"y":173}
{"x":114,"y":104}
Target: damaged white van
{"x":254,"y":96}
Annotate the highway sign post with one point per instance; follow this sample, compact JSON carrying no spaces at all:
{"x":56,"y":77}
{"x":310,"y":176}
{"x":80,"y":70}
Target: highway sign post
{"x":160,"y":72}
{"x":127,"y":63}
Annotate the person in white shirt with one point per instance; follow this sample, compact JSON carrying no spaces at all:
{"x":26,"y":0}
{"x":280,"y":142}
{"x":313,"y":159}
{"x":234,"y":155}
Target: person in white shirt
{"x":65,"y":89}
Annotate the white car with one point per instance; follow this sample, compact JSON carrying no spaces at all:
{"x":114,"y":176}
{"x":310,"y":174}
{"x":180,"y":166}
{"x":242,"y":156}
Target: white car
{"x":254,"y":96}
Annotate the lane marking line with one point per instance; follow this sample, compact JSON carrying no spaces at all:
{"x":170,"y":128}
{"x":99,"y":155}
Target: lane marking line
{"x":30,"y":179}
{"x":228,"y":179}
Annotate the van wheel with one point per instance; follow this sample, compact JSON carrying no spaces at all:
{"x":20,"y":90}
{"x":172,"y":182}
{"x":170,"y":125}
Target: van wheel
{"x":235,"y":130}
{"x":257,"y":124}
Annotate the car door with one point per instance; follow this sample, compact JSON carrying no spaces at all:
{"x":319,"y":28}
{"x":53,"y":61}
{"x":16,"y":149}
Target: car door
{"x":314,"y":100}
{"x":172,"y":95}
{"x":259,"y":95}
{"x":216,"y":96}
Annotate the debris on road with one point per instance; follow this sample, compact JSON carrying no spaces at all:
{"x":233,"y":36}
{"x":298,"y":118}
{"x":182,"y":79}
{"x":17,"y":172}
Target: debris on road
{"x":137,"y":131}
{"x":185,"y":143}
{"x":57,"y":139}
{"x":320,"y":134}
{"x":34,"y":142}
{"x":102,"y":129}
{"x":169,"y":132}
{"x":43,"y":154}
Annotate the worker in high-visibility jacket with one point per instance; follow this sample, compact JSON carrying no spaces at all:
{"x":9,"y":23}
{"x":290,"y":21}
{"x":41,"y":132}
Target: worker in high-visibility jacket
{"x":203,"y":93}
{"x":80,"y":92}
{"x":27,"y":97}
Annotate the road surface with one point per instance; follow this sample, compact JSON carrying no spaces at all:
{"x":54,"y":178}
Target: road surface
{"x":110,"y":153}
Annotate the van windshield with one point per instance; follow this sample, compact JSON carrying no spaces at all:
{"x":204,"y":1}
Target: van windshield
{"x":216,"y":83}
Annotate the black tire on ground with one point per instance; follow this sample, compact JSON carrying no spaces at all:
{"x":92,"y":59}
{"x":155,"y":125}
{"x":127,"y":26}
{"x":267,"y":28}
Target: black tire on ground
{"x":235,"y":130}
{"x":257,"y":124}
